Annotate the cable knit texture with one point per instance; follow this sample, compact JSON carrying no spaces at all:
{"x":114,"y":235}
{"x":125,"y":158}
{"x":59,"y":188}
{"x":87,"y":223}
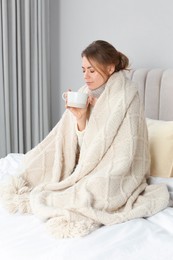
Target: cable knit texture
{"x":107,"y":185}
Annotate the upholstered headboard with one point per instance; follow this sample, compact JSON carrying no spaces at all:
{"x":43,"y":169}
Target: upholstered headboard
{"x":156,"y":91}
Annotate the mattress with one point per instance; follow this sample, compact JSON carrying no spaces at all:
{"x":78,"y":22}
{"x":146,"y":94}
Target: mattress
{"x":23,"y":237}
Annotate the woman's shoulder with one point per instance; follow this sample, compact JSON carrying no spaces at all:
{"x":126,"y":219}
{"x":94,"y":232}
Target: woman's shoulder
{"x":121,"y":80}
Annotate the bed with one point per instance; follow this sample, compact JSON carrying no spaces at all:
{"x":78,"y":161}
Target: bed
{"x":23,"y":237}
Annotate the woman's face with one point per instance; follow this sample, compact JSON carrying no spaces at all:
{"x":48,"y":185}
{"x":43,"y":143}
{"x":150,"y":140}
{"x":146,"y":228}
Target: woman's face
{"x":92,"y":77}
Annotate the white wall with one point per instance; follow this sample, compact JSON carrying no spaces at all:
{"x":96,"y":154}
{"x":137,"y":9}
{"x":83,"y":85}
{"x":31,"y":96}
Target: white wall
{"x":143,"y":30}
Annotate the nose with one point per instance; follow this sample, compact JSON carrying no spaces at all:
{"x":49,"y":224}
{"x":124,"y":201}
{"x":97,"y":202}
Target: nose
{"x":86,"y":75}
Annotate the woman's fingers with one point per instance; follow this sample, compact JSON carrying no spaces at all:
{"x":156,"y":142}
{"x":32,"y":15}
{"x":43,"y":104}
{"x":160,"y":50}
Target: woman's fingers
{"x":92,"y":100}
{"x":66,"y":97}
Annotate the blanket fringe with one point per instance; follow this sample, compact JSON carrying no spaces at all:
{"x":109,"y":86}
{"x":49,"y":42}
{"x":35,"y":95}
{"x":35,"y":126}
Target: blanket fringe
{"x":15,"y":195}
{"x":61,"y":227}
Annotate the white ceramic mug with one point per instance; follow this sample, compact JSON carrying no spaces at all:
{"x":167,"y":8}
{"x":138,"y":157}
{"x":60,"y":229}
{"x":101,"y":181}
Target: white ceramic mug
{"x":75,"y":99}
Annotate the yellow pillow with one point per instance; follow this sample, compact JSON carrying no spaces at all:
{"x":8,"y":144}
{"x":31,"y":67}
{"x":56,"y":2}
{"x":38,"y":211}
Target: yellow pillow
{"x":161,"y":147}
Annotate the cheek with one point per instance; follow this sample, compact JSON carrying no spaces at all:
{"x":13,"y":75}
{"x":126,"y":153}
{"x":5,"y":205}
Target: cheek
{"x":99,"y":79}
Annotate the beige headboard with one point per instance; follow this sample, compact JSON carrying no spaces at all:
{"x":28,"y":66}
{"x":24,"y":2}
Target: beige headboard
{"x":156,"y":91}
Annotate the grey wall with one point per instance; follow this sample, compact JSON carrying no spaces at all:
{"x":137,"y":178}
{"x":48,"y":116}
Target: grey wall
{"x":143,"y":30}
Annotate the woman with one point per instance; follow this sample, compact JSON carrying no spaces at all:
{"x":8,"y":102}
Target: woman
{"x":91,"y":169}
{"x":99,"y":61}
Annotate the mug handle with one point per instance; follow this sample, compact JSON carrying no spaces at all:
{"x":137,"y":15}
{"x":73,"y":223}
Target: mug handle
{"x":64,"y":95}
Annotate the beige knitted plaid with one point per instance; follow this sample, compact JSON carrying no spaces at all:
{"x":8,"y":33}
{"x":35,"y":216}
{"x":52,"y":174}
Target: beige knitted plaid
{"x":108,"y":183}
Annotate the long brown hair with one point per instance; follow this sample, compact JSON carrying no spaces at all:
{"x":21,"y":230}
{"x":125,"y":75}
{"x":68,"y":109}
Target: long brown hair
{"x":103,"y":54}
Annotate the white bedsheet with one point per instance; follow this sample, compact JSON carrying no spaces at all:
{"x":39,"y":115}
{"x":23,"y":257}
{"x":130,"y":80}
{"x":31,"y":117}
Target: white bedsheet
{"x":23,"y":237}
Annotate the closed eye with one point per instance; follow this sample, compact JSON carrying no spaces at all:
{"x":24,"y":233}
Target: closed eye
{"x":91,"y":70}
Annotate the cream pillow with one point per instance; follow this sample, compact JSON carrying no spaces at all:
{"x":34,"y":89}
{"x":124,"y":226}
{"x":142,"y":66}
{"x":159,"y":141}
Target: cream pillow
{"x":161,"y":147}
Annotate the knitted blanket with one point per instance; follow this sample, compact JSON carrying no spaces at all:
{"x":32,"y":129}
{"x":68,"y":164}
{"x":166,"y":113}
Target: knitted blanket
{"x":106,"y":184}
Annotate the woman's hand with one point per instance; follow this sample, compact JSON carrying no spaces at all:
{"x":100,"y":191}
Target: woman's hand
{"x":81,"y":114}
